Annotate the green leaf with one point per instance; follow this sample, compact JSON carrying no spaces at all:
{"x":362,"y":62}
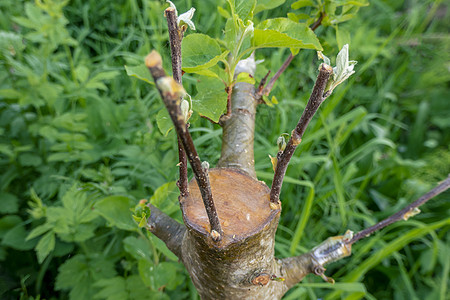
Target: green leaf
{"x":30,"y":160}
{"x":164,"y":122}
{"x":139,"y":248}
{"x":267,"y":4}
{"x":10,"y":94}
{"x":140,"y":72}
{"x":200,"y":52}
{"x":161,"y":246}
{"x":245,"y":77}
{"x":130,"y":288}
{"x":244,"y":9}
{"x":97,"y":81}
{"x":116,"y":210}
{"x":8,"y":203}
{"x":211,"y":100}
{"x":164,"y":274}
{"x":165,"y":193}
{"x":80,"y":272}
{"x":302,"y":3}
{"x":45,"y":246}
{"x":282,"y":32}
{"x":223,"y":12}
{"x":7,"y":223}
{"x":41,"y":229}
{"x":15,"y":238}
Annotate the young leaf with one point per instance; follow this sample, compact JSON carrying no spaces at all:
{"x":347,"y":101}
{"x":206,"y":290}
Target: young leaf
{"x":244,"y":9}
{"x":282,"y":32}
{"x":200,"y":52}
{"x":302,"y":3}
{"x":245,"y":77}
{"x":267,"y":4}
{"x":342,"y":71}
{"x":211,"y":100}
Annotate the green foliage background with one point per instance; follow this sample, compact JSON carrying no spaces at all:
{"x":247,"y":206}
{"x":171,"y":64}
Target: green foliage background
{"x":80,"y":146}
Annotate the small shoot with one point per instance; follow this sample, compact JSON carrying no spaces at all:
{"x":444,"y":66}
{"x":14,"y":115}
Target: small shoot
{"x":141,"y":213}
{"x":281,"y":141}
{"x":186,"y":107}
{"x":184,"y":20}
{"x":342,"y":70}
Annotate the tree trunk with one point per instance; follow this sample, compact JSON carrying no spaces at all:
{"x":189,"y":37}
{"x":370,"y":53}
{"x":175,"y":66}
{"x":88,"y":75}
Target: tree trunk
{"x":241,"y":264}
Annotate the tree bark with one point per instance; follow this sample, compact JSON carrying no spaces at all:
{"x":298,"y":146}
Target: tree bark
{"x":239,"y":127}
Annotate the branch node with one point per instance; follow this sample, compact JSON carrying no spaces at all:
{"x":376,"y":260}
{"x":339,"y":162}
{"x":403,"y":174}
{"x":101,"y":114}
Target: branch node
{"x":216,"y":237}
{"x":275,"y":206}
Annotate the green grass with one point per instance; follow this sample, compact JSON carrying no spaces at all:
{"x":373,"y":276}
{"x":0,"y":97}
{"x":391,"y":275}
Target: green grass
{"x":71,"y":117}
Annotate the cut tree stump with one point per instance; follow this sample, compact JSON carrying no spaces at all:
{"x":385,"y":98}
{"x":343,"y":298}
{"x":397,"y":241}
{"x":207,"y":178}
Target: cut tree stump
{"x":241,"y":265}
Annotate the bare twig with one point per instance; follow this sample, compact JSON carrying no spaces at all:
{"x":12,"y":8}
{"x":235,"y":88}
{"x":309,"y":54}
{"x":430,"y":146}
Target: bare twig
{"x":175,"y":37}
{"x":171,"y":93}
{"x":404,"y":213}
{"x":261,"y":85}
{"x":318,"y":22}
{"x":316,"y":98}
{"x":283,"y":67}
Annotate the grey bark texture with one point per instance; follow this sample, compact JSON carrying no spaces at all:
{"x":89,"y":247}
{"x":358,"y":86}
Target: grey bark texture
{"x":239,"y":127}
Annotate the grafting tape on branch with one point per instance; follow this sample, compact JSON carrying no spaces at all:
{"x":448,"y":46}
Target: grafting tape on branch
{"x":171,"y":93}
{"x":405,"y":213}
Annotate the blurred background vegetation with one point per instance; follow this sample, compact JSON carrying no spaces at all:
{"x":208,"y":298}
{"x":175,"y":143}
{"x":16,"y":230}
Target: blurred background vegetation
{"x":75,"y":128}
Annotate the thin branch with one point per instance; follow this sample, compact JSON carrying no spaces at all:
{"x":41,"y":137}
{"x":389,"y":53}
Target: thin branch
{"x":283,"y":67}
{"x":403,"y":214}
{"x":316,"y":98}
{"x":266,"y":91}
{"x":171,"y":93}
{"x":261,"y":85}
{"x":318,"y":22}
{"x":166,"y":229}
{"x":175,"y":37}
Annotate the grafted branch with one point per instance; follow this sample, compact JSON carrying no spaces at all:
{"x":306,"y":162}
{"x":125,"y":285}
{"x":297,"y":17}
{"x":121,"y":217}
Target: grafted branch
{"x":171,"y":93}
{"x":166,"y":229}
{"x":405,"y":213}
{"x":338,"y":247}
{"x":315,"y":100}
{"x":175,"y":37}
